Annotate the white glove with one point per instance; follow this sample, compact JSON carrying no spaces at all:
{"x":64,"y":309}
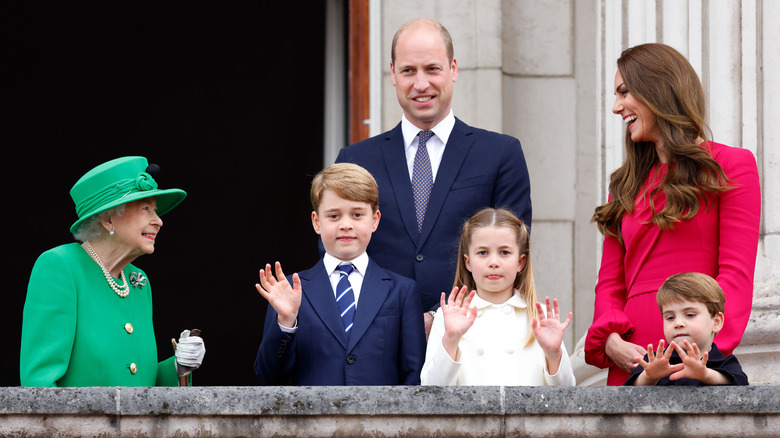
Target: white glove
{"x":190,"y":350}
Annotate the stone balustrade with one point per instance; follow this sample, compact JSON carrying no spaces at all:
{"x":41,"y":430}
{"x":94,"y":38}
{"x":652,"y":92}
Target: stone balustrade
{"x":752,"y":411}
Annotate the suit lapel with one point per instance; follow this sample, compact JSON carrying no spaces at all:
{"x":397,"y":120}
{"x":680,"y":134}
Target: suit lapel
{"x":395,"y":161}
{"x":454,"y":153}
{"x":373,"y":294}
{"x":318,"y":291}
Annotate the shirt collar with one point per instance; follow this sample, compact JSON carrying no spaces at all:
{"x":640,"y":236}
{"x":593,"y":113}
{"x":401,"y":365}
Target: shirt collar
{"x":442,"y":130}
{"x":516,"y":301}
{"x":360,"y":262}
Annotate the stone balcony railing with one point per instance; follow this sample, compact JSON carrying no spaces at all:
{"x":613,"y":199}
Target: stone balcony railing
{"x":752,"y":411}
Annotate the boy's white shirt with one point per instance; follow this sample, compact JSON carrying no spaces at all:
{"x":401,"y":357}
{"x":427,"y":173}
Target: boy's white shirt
{"x":355,"y":279}
{"x":492,"y":351}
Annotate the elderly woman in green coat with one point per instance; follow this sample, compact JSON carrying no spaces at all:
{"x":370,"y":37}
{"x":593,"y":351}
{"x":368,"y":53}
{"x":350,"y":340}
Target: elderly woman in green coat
{"x":88,"y":313}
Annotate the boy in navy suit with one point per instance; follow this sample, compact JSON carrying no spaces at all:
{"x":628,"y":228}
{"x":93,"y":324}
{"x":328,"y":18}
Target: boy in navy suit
{"x":346,"y":321}
{"x":692,"y":305}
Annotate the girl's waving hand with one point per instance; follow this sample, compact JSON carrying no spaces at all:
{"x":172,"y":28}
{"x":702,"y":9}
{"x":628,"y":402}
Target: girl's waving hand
{"x":548,"y":330}
{"x":458,"y":318}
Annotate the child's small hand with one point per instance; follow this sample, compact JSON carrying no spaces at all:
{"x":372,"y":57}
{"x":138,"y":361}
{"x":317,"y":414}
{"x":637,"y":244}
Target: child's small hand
{"x":694,"y":363}
{"x":548,"y":328}
{"x":657,"y":365}
{"x":458,"y":318}
{"x":695,"y":366}
{"x":284,"y":299}
{"x":548,"y":331}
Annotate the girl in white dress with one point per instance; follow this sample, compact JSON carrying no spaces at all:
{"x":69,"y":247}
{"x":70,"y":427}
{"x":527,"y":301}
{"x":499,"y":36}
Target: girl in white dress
{"x":498,"y":334}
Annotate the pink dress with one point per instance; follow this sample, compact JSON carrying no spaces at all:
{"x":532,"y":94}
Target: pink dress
{"x":721,"y":241}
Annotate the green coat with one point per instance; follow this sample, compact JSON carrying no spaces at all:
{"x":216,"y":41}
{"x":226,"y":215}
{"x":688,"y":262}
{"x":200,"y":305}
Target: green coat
{"x":75,"y":328}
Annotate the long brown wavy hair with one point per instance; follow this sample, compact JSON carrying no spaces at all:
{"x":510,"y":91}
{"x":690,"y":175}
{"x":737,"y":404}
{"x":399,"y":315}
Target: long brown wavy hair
{"x":524,"y":280}
{"x":662,"y":79}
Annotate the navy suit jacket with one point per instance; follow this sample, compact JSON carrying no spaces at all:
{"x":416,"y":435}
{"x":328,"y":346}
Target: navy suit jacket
{"x":479,"y":169}
{"x":386,"y":345}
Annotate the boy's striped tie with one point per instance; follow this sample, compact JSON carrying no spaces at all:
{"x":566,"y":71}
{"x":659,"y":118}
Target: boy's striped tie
{"x":345,"y":297}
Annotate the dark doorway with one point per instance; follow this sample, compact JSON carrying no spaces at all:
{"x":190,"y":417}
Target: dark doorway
{"x":226,"y":97}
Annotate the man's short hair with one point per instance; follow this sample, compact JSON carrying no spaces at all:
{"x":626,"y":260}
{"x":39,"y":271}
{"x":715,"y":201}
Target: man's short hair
{"x":348,"y":181}
{"x":446,"y":38}
{"x":692,"y":286}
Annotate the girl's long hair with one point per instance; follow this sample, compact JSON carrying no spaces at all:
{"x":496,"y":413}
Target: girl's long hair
{"x":524,"y":280}
{"x":662,"y":79}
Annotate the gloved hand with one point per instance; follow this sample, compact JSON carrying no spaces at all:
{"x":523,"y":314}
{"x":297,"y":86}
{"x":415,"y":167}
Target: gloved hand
{"x":190,"y":350}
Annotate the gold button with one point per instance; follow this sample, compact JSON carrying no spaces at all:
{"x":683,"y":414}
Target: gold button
{"x":129,"y":328}
{"x":133,"y":368}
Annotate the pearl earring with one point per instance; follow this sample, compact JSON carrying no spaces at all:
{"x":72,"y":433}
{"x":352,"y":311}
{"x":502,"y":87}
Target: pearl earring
{"x":111,"y":233}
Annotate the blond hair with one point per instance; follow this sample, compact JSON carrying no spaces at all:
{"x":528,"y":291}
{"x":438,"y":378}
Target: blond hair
{"x":524,"y":280}
{"x":692,"y":286}
{"x":348,"y":181}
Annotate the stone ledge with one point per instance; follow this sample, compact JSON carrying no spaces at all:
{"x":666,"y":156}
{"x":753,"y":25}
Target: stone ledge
{"x":390,"y":411}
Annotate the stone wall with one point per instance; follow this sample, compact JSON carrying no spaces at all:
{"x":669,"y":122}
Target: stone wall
{"x":390,"y":411}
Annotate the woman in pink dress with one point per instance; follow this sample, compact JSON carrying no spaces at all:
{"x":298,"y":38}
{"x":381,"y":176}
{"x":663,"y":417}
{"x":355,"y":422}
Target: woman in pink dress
{"x":679,"y":203}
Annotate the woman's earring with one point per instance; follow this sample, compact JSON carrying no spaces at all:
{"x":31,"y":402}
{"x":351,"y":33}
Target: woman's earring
{"x":111,"y":233}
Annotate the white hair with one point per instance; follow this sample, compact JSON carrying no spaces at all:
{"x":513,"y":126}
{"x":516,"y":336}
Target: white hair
{"x":92,"y":229}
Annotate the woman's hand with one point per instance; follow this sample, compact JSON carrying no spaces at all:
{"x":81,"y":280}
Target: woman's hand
{"x":548,"y":331}
{"x":458,"y":318}
{"x":190,"y":350}
{"x":623,"y":353}
{"x":284,"y":299}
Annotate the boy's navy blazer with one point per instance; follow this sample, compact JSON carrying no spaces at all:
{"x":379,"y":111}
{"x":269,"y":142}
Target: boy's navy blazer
{"x":386,"y":346}
{"x":479,"y":169}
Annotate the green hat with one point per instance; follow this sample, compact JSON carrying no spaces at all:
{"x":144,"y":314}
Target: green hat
{"x":118,"y":182}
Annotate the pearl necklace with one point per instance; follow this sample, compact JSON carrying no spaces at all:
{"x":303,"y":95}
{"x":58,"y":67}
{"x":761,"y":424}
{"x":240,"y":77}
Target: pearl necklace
{"x":122,"y":291}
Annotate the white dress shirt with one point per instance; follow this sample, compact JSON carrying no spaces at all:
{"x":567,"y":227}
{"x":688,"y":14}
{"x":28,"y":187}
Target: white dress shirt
{"x":493,"y":352}
{"x":355,"y":277}
{"x":435,"y":144}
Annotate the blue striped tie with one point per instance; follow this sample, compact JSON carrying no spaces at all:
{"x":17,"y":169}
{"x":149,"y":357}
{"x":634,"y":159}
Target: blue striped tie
{"x":345,"y":297}
{"x":422,"y":177}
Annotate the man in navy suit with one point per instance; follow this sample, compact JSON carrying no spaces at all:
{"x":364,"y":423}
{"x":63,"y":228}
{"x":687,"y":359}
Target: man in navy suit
{"x":470,"y":168}
{"x":346,"y":321}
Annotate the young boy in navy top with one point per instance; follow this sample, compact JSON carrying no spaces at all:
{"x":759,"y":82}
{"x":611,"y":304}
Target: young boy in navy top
{"x":692,"y":307}
{"x":346,"y":321}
